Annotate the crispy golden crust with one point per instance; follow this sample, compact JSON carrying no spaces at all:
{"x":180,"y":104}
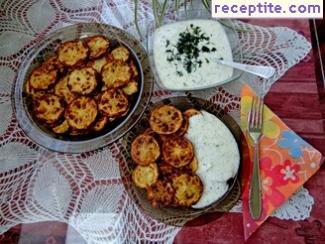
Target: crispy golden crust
{"x":47,"y":108}
{"x":145,"y":176}
{"x":82,"y":81}
{"x":53,"y":63}
{"x":28,"y":89}
{"x":81,"y":112}
{"x":61,"y":128}
{"x":145,"y":149}
{"x":165,"y":119}
{"x":193,"y":165}
{"x":130,"y":88}
{"x":166,"y":169}
{"x":98,"y":45}
{"x":121,"y":53}
{"x":42,"y":79}
{"x":100,"y":123}
{"x":177,"y":151}
{"x":181,"y":131}
{"x":72,"y":52}
{"x":116,"y":74}
{"x":113,"y":103}
{"x":161,"y":193}
{"x":75,"y":132}
{"x":61,"y":89}
{"x":98,"y":64}
{"x":191,"y":112}
{"x":188,"y":189}
{"x":134,"y":70}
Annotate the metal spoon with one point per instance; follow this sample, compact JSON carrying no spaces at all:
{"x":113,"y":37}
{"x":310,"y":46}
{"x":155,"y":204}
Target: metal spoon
{"x":265,"y":72}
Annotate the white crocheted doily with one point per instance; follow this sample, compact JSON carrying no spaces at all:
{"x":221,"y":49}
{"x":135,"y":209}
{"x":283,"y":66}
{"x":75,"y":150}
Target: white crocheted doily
{"x":86,"y":190}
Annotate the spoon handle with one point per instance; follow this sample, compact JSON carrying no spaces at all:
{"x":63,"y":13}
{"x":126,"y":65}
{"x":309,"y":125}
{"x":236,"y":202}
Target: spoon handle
{"x":265,"y":72}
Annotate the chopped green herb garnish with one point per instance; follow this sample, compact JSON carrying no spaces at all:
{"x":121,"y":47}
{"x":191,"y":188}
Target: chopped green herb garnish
{"x":187,"y":50}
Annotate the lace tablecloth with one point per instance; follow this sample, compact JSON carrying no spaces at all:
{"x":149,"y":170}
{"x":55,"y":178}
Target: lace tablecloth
{"x":86,"y":190}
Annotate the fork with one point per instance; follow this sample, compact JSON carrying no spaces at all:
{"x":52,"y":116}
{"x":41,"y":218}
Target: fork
{"x":255,"y":121}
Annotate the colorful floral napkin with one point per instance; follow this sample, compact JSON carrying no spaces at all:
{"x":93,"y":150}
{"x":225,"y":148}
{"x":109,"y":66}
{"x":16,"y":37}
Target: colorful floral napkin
{"x":286,"y":163}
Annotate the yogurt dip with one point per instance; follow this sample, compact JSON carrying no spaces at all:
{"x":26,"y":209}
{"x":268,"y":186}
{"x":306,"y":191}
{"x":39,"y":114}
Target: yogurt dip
{"x":184,"y":54}
{"x":217,"y":153}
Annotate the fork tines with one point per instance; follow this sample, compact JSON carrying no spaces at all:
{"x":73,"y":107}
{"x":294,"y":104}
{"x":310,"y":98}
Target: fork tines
{"x":255,"y":115}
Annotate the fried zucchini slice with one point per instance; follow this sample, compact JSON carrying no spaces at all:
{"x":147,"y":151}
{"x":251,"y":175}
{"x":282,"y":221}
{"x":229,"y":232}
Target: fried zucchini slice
{"x":121,"y":53}
{"x":113,"y":103}
{"x":82,"y":81}
{"x":161,"y":193}
{"x":134,"y":70}
{"x":145,"y":149}
{"x":99,"y":63}
{"x":48,"y":108}
{"x":165,"y":119}
{"x":52,"y":63}
{"x":61,"y":128}
{"x":28,"y":89}
{"x":71,"y":53}
{"x":81,"y":112}
{"x":100,"y":124}
{"x":181,"y":131}
{"x":145,"y":176}
{"x":130,"y":88}
{"x":191,"y":112}
{"x":98,"y":45}
{"x":177,"y":151}
{"x":188,"y":189}
{"x":61,"y":89}
{"x":166,"y":169}
{"x":193,"y":165}
{"x":42,"y":79}
{"x":116,"y":74}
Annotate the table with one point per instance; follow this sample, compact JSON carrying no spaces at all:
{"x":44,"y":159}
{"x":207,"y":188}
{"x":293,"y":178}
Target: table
{"x":299,"y":100}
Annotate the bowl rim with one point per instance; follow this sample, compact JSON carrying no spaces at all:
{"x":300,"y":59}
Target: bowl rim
{"x":181,"y":15}
{"x":44,"y":139}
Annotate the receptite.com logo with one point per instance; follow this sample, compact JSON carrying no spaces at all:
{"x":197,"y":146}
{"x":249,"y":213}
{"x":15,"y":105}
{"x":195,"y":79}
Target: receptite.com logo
{"x":267,"y":9}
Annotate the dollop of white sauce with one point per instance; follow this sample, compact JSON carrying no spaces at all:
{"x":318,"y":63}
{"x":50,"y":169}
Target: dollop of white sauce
{"x":209,"y":73}
{"x":217,"y":153}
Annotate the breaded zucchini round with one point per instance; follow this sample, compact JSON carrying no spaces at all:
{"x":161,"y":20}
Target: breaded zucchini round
{"x":98,"y":64}
{"x":61,"y":128}
{"x":113,"y":103}
{"x":100,"y":124}
{"x":71,"y":53}
{"x":145,"y":176}
{"x":116,"y":74}
{"x":121,"y":53}
{"x":165,"y":119}
{"x":61,"y":89}
{"x":191,"y":112}
{"x":82,"y":81}
{"x":177,"y":151}
{"x":81,"y":112}
{"x":98,"y":46}
{"x":130,"y":88}
{"x":42,"y":79}
{"x":48,"y":108}
{"x":161,"y":193}
{"x":188,"y":189}
{"x":145,"y":149}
